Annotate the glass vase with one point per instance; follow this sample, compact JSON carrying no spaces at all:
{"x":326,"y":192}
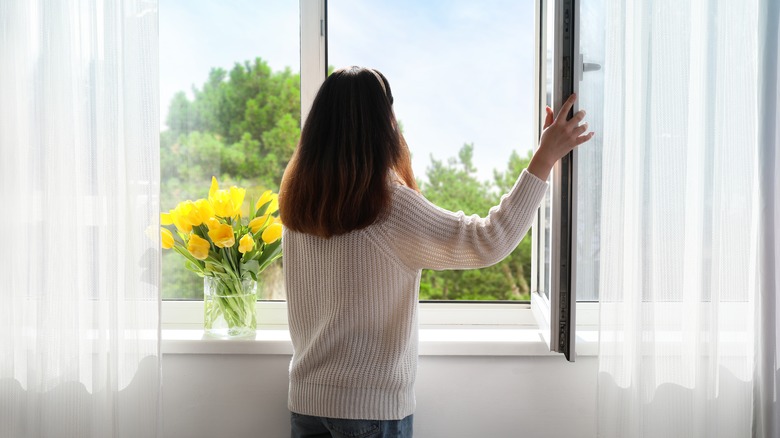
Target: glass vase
{"x":229,"y":307}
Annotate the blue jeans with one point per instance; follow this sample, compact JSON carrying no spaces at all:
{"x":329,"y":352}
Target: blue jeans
{"x":306,"y":426}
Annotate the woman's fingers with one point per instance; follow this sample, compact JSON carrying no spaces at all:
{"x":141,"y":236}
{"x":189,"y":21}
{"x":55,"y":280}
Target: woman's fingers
{"x":564,"y":135}
{"x":580,"y":129}
{"x":549,"y":119}
{"x":567,"y":107}
{"x":583,"y":138}
{"x":578,"y":116}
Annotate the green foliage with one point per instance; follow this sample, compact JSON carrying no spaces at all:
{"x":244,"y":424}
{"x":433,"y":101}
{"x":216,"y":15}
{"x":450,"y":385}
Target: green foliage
{"x":243,"y":125}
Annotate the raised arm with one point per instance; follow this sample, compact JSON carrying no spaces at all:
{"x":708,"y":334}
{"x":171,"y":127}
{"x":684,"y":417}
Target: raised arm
{"x":426,"y":236}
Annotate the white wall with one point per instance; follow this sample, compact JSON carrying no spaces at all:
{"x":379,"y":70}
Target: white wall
{"x":237,"y":396}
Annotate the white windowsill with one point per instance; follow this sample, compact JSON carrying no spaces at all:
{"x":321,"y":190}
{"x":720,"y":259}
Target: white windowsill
{"x":434,"y":341}
{"x":446,"y":329}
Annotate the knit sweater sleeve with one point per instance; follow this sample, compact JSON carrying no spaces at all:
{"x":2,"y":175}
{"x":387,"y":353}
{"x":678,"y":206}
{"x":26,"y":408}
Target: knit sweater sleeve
{"x":425,"y":236}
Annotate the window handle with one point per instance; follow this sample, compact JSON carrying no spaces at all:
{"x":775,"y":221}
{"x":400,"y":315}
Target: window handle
{"x":582,"y":67}
{"x":590,"y":66}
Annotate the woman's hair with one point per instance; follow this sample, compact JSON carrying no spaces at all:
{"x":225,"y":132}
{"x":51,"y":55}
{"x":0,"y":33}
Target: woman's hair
{"x":338,"y":178}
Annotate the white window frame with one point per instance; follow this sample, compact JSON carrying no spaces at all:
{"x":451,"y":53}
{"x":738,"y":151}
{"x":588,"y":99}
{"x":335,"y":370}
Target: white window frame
{"x":273,"y":314}
{"x":185,"y":314}
{"x":314,"y":51}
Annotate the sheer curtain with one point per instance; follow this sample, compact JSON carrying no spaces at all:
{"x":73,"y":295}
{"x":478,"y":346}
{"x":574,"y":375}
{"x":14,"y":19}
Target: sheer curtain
{"x":766,"y":386}
{"x":79,"y":184}
{"x":683,"y":218}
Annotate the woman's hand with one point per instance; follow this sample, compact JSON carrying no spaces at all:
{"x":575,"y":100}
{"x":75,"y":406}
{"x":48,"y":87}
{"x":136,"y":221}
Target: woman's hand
{"x":559,"y":137}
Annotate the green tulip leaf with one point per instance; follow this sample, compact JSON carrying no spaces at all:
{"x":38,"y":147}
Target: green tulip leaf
{"x":272,"y":252}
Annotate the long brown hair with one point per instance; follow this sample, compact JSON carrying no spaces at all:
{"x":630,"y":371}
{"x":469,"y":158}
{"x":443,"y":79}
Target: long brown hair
{"x":337,"y":180}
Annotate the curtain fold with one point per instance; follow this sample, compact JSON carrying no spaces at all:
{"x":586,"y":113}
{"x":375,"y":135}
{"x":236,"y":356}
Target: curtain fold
{"x":79,"y":186}
{"x":766,"y":384}
{"x":683,"y":220}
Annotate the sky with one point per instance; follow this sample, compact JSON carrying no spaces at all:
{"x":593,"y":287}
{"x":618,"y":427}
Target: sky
{"x":461,"y":71}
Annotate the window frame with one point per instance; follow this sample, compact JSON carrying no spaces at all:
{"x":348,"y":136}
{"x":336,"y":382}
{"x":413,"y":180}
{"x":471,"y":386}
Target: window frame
{"x":188,"y":314}
{"x":557,"y":308}
{"x":563,"y":294}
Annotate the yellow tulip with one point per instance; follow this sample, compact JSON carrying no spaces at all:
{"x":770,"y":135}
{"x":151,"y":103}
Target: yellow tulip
{"x":214,"y":187}
{"x":205,"y":211}
{"x":221,"y":203}
{"x":264,"y":198}
{"x":198,"y":247}
{"x":273,"y":207}
{"x":166,"y":219}
{"x":213,"y":223}
{"x":272,"y":233}
{"x":237,"y":197}
{"x":257,"y":223}
{"x":246,"y":244}
{"x":190,"y":212}
{"x":226,"y":203}
{"x":222,"y":236}
{"x":181,"y":224}
{"x":185,"y":216}
{"x":166,"y":238}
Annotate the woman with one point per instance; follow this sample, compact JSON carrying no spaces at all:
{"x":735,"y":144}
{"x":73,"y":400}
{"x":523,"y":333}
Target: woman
{"x":357,"y":235}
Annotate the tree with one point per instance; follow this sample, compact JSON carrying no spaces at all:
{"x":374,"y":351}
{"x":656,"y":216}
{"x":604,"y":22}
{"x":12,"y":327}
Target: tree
{"x":253,"y":111}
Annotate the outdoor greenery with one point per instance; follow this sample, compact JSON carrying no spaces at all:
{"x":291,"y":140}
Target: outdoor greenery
{"x":242,"y":127}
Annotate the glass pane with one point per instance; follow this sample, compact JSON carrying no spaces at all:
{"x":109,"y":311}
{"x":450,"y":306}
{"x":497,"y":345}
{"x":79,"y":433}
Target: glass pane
{"x":546,"y":211}
{"x":230,"y":108}
{"x":462,"y":79}
{"x":591,"y":99}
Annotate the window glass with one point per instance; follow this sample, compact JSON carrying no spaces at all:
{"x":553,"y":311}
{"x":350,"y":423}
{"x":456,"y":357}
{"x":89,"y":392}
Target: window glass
{"x":230,"y":108}
{"x":545,"y":213}
{"x":591,"y":99}
{"x":462,"y":79}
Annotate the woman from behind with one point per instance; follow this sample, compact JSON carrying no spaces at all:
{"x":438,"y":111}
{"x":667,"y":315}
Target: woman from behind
{"x":357,"y":235}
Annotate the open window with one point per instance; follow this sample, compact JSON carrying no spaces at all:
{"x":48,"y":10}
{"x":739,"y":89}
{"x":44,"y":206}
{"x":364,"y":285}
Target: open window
{"x":569,"y":56}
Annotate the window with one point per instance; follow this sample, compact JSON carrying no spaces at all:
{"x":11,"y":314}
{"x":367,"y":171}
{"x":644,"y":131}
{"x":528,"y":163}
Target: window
{"x":230,"y":107}
{"x":232,"y":100}
{"x":466,"y":111}
{"x":571,"y":45}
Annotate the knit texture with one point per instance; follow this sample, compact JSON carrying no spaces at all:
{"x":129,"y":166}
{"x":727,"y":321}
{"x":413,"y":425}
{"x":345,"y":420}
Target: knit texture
{"x":352,"y":299}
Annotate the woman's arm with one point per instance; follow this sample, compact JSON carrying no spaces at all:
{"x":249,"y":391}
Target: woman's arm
{"x":428,"y":237}
{"x":425,"y":236}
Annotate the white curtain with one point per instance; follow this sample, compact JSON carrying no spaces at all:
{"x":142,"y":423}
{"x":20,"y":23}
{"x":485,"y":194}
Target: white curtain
{"x":766,"y":386}
{"x":79,"y":185}
{"x":686,"y":129}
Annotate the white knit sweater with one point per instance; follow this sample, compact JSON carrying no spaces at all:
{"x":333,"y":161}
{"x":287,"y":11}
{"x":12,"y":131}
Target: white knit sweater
{"x":352,"y":299}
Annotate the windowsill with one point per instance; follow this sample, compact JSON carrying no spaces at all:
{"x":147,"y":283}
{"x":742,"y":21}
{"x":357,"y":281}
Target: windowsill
{"x":434,"y":341}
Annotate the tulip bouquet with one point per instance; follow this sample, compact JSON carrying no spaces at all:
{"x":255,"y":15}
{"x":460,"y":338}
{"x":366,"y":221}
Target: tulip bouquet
{"x":226,"y":249}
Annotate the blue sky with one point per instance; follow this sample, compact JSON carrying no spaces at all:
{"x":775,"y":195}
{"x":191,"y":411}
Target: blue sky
{"x":461,"y":71}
